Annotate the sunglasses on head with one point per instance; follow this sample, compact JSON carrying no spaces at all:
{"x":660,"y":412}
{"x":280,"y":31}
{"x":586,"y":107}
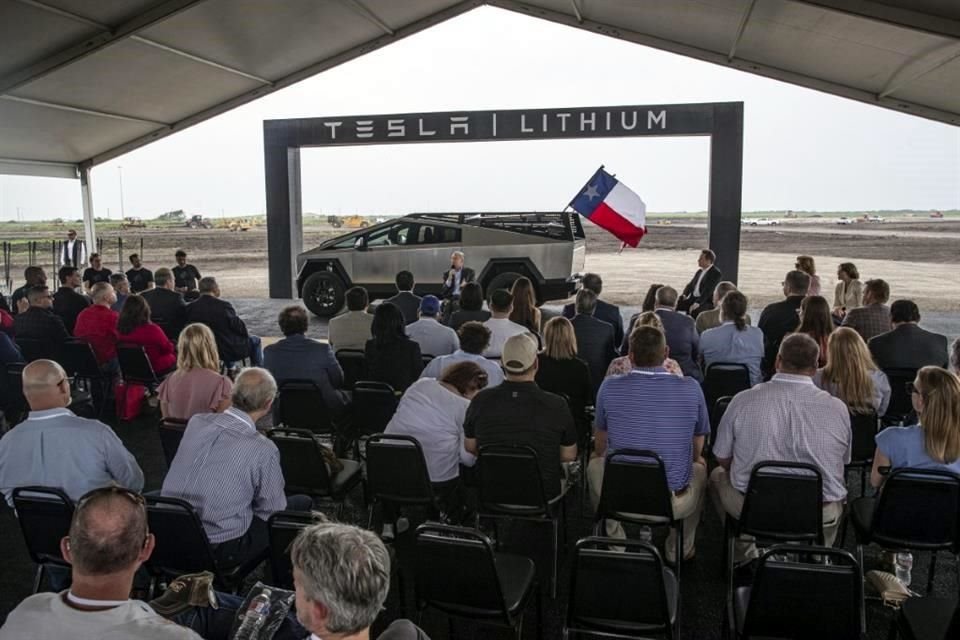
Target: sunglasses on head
{"x":133,"y":496}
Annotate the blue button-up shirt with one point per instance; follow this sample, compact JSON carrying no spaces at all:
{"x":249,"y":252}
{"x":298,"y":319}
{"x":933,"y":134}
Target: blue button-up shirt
{"x":726,"y":344}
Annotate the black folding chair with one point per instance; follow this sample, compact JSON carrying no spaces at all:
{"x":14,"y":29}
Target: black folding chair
{"x":300,"y":405}
{"x":397,"y":475}
{"x":802,"y":598}
{"x":44,"y":514}
{"x":171,"y":433}
{"x":14,"y":402}
{"x":865,"y":427}
{"x":282,"y":528}
{"x":928,"y":619}
{"x":510,"y":486}
{"x":625,"y":593}
{"x":135,"y":367}
{"x":900,"y":409}
{"x":354,"y":365}
{"x":374,"y":404}
{"x":305,"y":469}
{"x":80,"y":362}
{"x":918,"y":510}
{"x":723,"y":379}
{"x":33,"y":349}
{"x":459,"y":573}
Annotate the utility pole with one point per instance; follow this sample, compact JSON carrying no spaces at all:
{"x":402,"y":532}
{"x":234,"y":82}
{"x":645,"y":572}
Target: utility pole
{"x":123,"y":209}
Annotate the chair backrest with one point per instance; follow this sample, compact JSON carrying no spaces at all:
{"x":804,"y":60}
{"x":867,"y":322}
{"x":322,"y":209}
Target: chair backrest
{"x":171,"y":433}
{"x":806,"y":599}
{"x":354,"y":365}
{"x":725,"y":379}
{"x":282,"y":528}
{"x":639,"y":600}
{"x":635,"y":482}
{"x":374,"y":404}
{"x":79,"y":360}
{"x":300,"y":405}
{"x":456,"y":571}
{"x":301,"y":460}
{"x":864,"y":426}
{"x":33,"y":349}
{"x":14,"y":401}
{"x":44,"y":514}
{"x":510,"y":482}
{"x":135,"y":366}
{"x":784,"y":502}
{"x":397,"y":471}
{"x":901,"y":404}
{"x":182,"y":544}
{"x":918,"y":509}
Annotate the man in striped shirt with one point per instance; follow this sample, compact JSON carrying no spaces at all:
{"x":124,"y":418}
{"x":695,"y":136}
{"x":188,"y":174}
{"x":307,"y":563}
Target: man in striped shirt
{"x":651,"y":409}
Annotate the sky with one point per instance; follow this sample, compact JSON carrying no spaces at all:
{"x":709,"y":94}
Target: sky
{"x":803,"y":150}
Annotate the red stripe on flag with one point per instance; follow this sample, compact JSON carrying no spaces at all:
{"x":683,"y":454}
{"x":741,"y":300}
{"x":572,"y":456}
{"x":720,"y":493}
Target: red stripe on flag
{"x":606,"y":218}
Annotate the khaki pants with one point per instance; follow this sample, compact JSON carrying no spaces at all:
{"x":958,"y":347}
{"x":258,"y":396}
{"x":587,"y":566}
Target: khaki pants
{"x":728,"y":500}
{"x":686,"y":506}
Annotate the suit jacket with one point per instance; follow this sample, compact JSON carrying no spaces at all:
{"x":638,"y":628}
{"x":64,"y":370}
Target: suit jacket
{"x":229,"y":330}
{"x":595,"y":345}
{"x":466,"y":275}
{"x":41,"y":324}
{"x":408,"y":303}
{"x":683,"y":340}
{"x":776,"y":321}
{"x":609,"y":313}
{"x":301,"y":358}
{"x":168,"y":309}
{"x":711,"y":279}
{"x":68,"y":304}
{"x":868,"y":321}
{"x":909,"y":347}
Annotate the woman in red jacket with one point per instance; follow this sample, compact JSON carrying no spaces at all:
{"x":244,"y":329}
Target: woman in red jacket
{"x":135,"y":327}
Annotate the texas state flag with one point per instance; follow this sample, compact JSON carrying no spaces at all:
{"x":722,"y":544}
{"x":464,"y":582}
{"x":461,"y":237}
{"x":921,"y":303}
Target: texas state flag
{"x":610,"y":204}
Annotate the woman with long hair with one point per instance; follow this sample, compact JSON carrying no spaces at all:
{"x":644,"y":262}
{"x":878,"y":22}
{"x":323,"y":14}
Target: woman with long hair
{"x":806,"y":264}
{"x":197,"y":385}
{"x":525,"y":311}
{"x":134,"y":327}
{"x":623,"y":364}
{"x":734,"y":340}
{"x":849,"y":292}
{"x":560,"y":371}
{"x":816,"y":322}
{"x":390,"y":355}
{"x":471,"y":306}
{"x":852,"y":375}
{"x":933,"y":443}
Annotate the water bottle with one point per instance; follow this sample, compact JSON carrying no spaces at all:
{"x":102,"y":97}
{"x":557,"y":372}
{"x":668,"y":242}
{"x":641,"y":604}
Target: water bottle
{"x":904,"y":565}
{"x":254,"y":616}
{"x":646,"y":534}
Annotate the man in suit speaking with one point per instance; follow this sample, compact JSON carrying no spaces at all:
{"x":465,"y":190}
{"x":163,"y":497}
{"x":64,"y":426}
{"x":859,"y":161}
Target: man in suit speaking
{"x":697,"y":296}
{"x":455,"y":277}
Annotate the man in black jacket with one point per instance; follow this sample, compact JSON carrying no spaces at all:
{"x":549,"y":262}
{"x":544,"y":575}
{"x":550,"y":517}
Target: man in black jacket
{"x":406,"y":300}
{"x":595,"y":344}
{"x":167,"y":307}
{"x":39,"y":323}
{"x":908,"y":346}
{"x":609,"y":313}
{"x":780,"y":318}
{"x":233,"y":341}
{"x":455,"y":277}
{"x":697,"y":296}
{"x":67,"y":303}
{"x":35,"y":277}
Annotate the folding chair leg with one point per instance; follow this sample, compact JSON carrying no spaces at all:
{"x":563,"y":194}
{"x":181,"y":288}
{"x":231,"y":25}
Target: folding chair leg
{"x":38,"y":580}
{"x":556,"y":559}
{"x":933,"y":569}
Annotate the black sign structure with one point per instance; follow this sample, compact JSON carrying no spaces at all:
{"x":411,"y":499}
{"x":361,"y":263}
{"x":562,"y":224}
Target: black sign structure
{"x":283,"y":139}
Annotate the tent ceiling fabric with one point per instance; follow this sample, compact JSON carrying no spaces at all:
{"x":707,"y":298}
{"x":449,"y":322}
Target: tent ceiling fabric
{"x":83,"y":82}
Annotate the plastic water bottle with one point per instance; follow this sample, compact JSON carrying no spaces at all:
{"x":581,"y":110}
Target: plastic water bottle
{"x":904,"y":566}
{"x":254,"y":616}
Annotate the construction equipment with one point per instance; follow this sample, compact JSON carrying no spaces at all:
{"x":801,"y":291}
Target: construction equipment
{"x":199,"y":222}
{"x":132,"y":222}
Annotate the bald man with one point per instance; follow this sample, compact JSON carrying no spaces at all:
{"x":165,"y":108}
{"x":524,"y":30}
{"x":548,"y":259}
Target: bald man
{"x":55,"y":448}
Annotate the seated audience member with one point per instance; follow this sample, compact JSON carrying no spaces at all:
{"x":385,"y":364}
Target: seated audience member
{"x":649,"y":304}
{"x":197,"y":386}
{"x":186,"y":277}
{"x":786,"y":419}
{"x":500,"y":325}
{"x":782,"y":318}
{"x":595,"y":342}
{"x":525,"y":311}
{"x":908,"y":346}
{"x":230,"y":473}
{"x":609,"y":313}
{"x":67,"y":302}
{"x":711,"y":317}
{"x":39,"y":322}
{"x":351,"y":330}
{"x":342,"y":577}
{"x":816,"y":321}
{"x":873,"y":318}
{"x":35,"y":277}
{"x":121,"y":288}
{"x":955,"y":356}
{"x":624,"y":364}
{"x":474,"y":338}
{"x":651,"y":409}
{"x":6,"y":320}
{"x":681,"y":332}
{"x":852,"y":376}
{"x":807,"y":265}
{"x":560,"y":371}
{"x":135,"y":328}
{"x":433,"y":411}
{"x":405,"y":300}
{"x":298,"y":357}
{"x":107,"y":545}
{"x":734,"y":341}
{"x":167,"y":307}
{"x":698,"y":294}
{"x":471,"y":306}
{"x":139,"y":276}
{"x":97,"y":324}
{"x":234,"y":343}
{"x":933,"y":443}
{"x":434,"y":338}
{"x":519,"y":412}
{"x":390,"y":355}
{"x":95,"y":273}
{"x":55,"y":448}
{"x":848,"y":293}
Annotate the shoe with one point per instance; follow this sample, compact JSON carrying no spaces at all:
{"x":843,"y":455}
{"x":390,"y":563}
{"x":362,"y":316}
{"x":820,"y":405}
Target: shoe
{"x":187,"y":591}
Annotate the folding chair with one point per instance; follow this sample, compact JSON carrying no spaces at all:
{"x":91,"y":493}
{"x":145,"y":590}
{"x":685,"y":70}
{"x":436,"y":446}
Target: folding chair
{"x":135,"y":367}
{"x":44,"y":514}
{"x":33,"y":349}
{"x":927,"y":619}
{"x":171,"y":433}
{"x":397,"y":475}
{"x":80,"y":362}
{"x":723,"y":379}
{"x":865,"y":427}
{"x":283,"y":527}
{"x":300,"y":405}
{"x":900,"y":408}
{"x":354,"y":365}
{"x":374,"y":404}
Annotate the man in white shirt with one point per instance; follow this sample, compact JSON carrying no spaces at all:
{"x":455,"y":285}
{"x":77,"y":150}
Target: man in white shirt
{"x":351,"y":330}
{"x":73,"y":253}
{"x":474,"y":339}
{"x":500,"y":325}
{"x":434,"y":338}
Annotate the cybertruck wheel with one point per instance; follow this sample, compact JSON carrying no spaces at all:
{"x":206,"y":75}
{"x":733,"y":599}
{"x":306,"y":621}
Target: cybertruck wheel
{"x":323,"y":293}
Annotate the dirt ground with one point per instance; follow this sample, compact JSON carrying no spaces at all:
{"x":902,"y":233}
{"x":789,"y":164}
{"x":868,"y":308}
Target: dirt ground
{"x":919,"y":258}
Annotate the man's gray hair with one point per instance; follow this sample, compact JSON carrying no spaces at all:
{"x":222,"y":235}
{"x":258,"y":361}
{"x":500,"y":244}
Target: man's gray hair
{"x":162,"y":276}
{"x":667,"y":297}
{"x":723,"y":288}
{"x":207,"y":284}
{"x":458,"y":254}
{"x":345,"y":568}
{"x":100,"y":291}
{"x":586,"y":302}
{"x":253,"y":390}
{"x":117,"y":278}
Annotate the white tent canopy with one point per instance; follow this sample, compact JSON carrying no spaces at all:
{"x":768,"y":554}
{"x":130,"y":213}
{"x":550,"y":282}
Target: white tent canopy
{"x":84,"y":82}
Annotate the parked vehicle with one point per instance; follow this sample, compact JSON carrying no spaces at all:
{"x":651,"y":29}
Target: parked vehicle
{"x":764,"y":222}
{"x":845,"y":220}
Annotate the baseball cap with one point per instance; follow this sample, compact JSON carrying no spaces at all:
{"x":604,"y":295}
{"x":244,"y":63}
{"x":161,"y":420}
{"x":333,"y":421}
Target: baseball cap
{"x":430,"y":305}
{"x":519,"y":353}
